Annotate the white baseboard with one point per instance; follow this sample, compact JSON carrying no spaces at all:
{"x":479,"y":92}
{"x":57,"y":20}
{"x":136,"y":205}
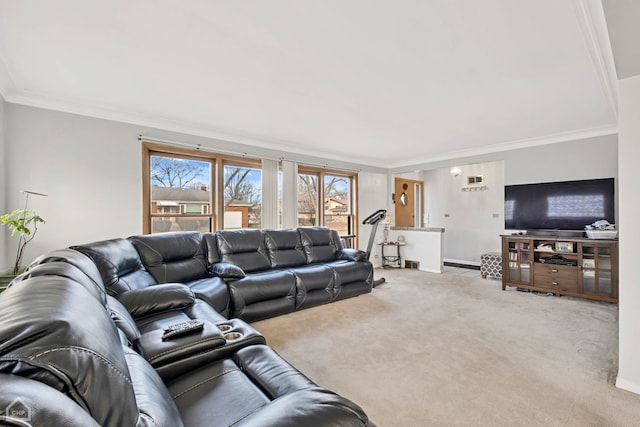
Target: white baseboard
{"x":628,"y":385}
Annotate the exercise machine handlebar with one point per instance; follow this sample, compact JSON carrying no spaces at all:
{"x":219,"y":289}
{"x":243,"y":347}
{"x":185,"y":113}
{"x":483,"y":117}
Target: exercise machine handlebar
{"x":375,"y":217}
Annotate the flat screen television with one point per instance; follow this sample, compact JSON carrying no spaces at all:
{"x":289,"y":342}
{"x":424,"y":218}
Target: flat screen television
{"x":567,"y":205}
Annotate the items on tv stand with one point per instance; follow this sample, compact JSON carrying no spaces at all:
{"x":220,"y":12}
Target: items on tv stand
{"x":579,"y":267}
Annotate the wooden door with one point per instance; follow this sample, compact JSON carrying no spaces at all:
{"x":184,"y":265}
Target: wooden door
{"x":405,"y":202}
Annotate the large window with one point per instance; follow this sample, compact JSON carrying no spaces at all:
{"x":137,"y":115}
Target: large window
{"x":196,"y":190}
{"x":330,"y":204}
{"x":192,"y":189}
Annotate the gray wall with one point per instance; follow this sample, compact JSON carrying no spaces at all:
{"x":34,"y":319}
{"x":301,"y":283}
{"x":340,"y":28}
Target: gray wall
{"x":3,"y":171}
{"x":91,"y":170}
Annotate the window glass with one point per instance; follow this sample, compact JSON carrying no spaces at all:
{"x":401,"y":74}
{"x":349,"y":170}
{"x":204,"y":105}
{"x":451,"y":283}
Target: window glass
{"x":308,"y":200}
{"x":337,"y":203}
{"x":242,"y":197}
{"x":180,"y":194}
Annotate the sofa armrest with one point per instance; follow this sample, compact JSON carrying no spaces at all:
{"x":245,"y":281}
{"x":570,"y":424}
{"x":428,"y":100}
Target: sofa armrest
{"x":350,"y":254}
{"x":156,"y":299}
{"x":182,"y":354}
{"x":309,"y":407}
{"x":226,"y":270}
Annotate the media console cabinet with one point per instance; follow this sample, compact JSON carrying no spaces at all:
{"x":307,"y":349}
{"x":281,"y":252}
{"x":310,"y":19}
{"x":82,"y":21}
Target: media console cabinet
{"x":580,"y":267}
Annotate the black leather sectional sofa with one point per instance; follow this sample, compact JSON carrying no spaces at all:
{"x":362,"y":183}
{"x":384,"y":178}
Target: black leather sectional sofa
{"x":153,"y":330}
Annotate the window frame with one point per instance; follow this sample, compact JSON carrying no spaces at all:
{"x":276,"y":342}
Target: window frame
{"x":150,"y":149}
{"x":239,"y":163}
{"x":218,"y":161}
{"x":321,"y":173}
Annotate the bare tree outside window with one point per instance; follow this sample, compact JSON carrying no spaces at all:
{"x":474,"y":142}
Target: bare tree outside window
{"x":242,"y":197}
{"x":337,"y":203}
{"x":180,"y":194}
{"x":307,"y":200}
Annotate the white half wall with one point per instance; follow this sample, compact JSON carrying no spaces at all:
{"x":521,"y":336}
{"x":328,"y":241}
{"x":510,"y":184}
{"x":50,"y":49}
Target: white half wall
{"x":629,"y":225}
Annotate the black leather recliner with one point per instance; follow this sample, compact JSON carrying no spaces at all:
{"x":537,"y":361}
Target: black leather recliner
{"x":72,"y":355}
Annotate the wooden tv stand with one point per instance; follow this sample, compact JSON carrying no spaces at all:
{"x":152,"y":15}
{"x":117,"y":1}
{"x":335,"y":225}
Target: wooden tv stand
{"x":576,"y":266}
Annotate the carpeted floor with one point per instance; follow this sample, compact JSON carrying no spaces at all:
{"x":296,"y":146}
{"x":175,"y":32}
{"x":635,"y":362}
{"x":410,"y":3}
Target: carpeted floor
{"x":455,"y":350}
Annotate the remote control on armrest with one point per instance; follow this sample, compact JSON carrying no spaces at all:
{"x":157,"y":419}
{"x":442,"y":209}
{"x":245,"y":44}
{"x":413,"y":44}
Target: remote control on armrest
{"x":182,"y":328}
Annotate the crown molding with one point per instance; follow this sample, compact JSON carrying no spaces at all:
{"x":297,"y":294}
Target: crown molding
{"x":108,"y":113}
{"x":511,"y":145}
{"x":590,"y":16}
{"x":277,"y":148}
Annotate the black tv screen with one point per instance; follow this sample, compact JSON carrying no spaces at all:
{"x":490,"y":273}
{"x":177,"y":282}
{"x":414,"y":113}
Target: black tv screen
{"x":567,"y":205}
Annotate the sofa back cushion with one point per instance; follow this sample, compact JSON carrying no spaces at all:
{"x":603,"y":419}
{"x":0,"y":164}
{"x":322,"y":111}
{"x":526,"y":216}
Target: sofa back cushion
{"x":69,"y":271}
{"x":74,"y":258}
{"x":53,"y":331}
{"x":118,"y":263}
{"x":284,"y":248}
{"x":320,"y":244}
{"x":173,"y":257}
{"x":211,"y":244}
{"x":244,"y":248}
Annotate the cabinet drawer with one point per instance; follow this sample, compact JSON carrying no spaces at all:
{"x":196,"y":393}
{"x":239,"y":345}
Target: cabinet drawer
{"x":556,"y":277}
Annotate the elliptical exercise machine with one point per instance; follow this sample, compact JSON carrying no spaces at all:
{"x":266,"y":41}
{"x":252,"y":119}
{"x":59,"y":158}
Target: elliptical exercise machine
{"x":373,"y":220}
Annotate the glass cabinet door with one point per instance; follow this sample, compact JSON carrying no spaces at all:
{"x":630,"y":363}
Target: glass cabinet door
{"x":596,"y":270}
{"x":519,"y":261}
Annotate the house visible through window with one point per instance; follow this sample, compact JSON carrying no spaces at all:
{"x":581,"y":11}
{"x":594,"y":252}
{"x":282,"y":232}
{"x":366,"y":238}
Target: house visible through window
{"x":180,"y":193}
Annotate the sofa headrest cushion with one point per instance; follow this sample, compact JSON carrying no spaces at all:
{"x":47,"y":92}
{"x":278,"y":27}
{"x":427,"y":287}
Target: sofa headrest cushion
{"x":320,"y":244}
{"x":69,"y":271}
{"x":245,"y":248}
{"x":75,"y":258}
{"x":284,"y":248}
{"x":119,"y":264}
{"x":177,"y":257}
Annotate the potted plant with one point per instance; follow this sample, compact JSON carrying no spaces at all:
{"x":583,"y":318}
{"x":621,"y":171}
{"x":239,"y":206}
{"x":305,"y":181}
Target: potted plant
{"x":24,"y":224}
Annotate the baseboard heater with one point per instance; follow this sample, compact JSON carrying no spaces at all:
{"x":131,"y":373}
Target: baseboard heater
{"x":459,"y":265}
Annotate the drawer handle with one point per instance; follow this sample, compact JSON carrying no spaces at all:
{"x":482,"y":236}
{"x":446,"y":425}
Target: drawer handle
{"x":554,"y":283}
{"x":554,"y":270}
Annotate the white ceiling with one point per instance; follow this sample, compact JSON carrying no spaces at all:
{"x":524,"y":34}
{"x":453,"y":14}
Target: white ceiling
{"x":377,"y":82}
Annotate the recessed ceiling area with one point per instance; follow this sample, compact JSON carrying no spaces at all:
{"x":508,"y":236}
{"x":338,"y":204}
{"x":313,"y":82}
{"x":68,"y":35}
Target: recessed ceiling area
{"x":380,"y":83}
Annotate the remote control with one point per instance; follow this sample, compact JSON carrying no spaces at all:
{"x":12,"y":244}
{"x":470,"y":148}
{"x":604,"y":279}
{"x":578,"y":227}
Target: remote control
{"x":182,"y":328}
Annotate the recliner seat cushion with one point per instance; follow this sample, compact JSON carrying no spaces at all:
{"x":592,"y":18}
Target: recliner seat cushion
{"x":265,"y":294}
{"x":314,"y":284}
{"x":256,"y":387}
{"x":173,"y":257}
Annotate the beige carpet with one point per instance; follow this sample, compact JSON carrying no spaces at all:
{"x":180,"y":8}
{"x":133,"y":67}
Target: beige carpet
{"x":451,"y":350}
